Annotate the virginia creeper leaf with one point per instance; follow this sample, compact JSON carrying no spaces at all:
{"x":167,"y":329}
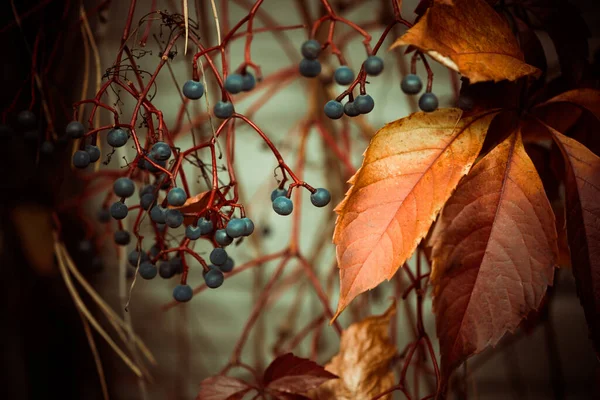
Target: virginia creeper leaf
{"x":222,"y":387}
{"x":494,"y":254}
{"x":470,"y":38}
{"x":194,"y":204}
{"x":409,"y":171}
{"x":295,"y":375}
{"x":585,"y":98}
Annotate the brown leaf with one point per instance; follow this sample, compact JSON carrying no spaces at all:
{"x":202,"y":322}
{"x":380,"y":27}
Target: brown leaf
{"x":495,"y":253}
{"x":363,"y":361}
{"x":588,"y":99}
{"x":194,"y":204}
{"x":470,"y":38}
{"x":295,"y":375}
{"x":222,"y":387}
{"x":33,"y":226}
{"x":409,"y":171}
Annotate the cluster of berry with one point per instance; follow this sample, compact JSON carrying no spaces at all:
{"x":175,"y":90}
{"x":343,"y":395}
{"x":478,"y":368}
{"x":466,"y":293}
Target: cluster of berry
{"x":283,"y":205}
{"x":411,"y":84}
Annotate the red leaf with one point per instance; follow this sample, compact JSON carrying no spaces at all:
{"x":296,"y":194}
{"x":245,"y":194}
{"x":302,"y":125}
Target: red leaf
{"x":222,"y":387}
{"x":494,"y":253}
{"x":295,"y":375}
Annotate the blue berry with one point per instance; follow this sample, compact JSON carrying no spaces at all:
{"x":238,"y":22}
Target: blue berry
{"x":157,"y":214}
{"x":47,"y":147}
{"x":124,"y":187}
{"x":134,"y":255}
{"x":205,"y":225}
{"x":278,"y":192}
{"x":147,"y":200}
{"x":81,"y":159}
{"x":428,"y":102}
{"x":311,"y":49}
{"x":93,"y":151}
{"x":147,"y":165}
{"x":218,"y":256}
{"x":334,"y":109}
{"x":234,"y":83}
{"x":411,"y":84}
{"x":364,"y":103}
{"x":103,"y":215}
{"x":148,"y":270}
{"x":193,"y":90}
{"x":147,"y":189}
{"x":183,"y":293}
{"x":222,"y":238}
{"x":166,"y":270}
{"x":214,"y":278}
{"x":164,"y":181}
{"x":176,"y":197}
{"x":161,"y":227}
{"x":343,"y":75}
{"x":228,"y":266}
{"x":154,"y":250}
{"x":122,"y":238}
{"x":283,"y":205}
{"x":249,"y":226}
{"x":26,"y":119}
{"x":309,"y":68}
{"x":117,"y":137}
{"x":118,"y":210}
{"x":320,"y":198}
{"x":465,"y":102}
{"x":85,"y":246}
{"x":373,"y":65}
{"x":235,"y":227}
{"x":248,"y":82}
{"x":173,"y":218}
{"x":75,"y":129}
{"x":223,"y":109}
{"x":210,"y":268}
{"x":193,"y":232}
{"x":160,"y":151}
{"x":350,"y":109}
{"x":177,"y":264}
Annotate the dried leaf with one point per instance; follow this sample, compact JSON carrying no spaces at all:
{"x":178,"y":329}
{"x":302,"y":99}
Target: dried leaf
{"x":222,"y":387}
{"x":363,"y":361}
{"x":193,"y":205}
{"x":470,"y":38}
{"x":409,"y":171}
{"x":585,"y":98}
{"x":295,"y":375}
{"x":495,"y":253}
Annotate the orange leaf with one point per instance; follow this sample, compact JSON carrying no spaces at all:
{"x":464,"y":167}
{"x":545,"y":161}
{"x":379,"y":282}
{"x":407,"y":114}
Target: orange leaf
{"x":470,"y":38}
{"x":409,"y":171}
{"x":195,"y":204}
{"x":588,"y":99}
{"x":494,"y":253}
{"x":363,"y":362}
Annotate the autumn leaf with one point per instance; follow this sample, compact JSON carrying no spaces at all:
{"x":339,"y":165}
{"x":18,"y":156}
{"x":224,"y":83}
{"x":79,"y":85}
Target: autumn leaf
{"x":588,"y":99}
{"x":409,"y":171}
{"x":222,"y":387}
{"x":363,"y":361}
{"x":295,"y":375}
{"x":470,"y":38}
{"x":494,"y":253}
{"x":193,"y":205}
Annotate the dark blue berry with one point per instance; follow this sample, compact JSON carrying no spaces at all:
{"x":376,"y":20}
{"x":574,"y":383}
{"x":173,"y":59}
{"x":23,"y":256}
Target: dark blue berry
{"x":249,"y":226}
{"x":343,"y":75}
{"x":465,"y":102}
{"x":93,"y":151}
{"x":183,"y":293}
{"x":193,"y":232}
{"x":81,"y":159}
{"x":147,"y":189}
{"x":235,"y":227}
{"x":117,"y":137}
{"x":234,"y":83}
{"x":350,"y":109}
{"x":311,"y":49}
{"x":118,"y":210}
{"x":103,"y":215}
{"x":161,"y":227}
{"x":26,"y":119}
{"x":47,"y":147}
{"x":334,"y":109}
{"x":218,"y":256}
{"x":157,"y":214}
{"x":133,"y":256}
{"x":309,"y":68}
{"x":164,"y":181}
{"x":320,"y":198}
{"x":166,"y":270}
{"x":228,"y":266}
{"x":124,"y":187}
{"x":223,"y":109}
{"x":283,"y":205}
{"x":364,"y":103}
{"x":160,"y":151}
{"x":373,"y":65}
{"x":147,"y":200}
{"x":173,"y":218}
{"x":148,"y":270}
{"x":176,"y":197}
{"x":122,"y":238}
{"x":205,"y":225}
{"x":177,"y":264}
{"x":210,"y":267}
{"x":428,"y":102}
{"x":214,"y":278}
{"x":85,"y":246}
{"x":193,"y":89}
{"x":222,"y":238}
{"x":248,"y":82}
{"x":154,"y":250}
{"x":411,"y":84}
{"x":150,"y":167}
{"x":75,"y":129}
{"x":278,"y":192}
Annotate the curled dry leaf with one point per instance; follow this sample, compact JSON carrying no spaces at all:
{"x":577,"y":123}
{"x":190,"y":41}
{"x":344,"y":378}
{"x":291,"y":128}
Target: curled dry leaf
{"x":194,"y":204}
{"x":588,"y":99}
{"x":494,"y":253}
{"x":295,"y":375}
{"x":409,"y":171}
{"x":363,"y":361}
{"x":222,"y":387}
{"x":470,"y":38}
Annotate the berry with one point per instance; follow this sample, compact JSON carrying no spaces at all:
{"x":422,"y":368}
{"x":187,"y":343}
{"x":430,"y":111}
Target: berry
{"x":147,"y":189}
{"x":223,"y":109}
{"x":228,"y":266}
{"x":176,"y":197}
{"x":235,"y":227}
{"x":81,"y":159}
{"x":31,"y":136}
{"x":465,"y":102}
{"x":411,"y":84}
{"x":320,"y":198}
{"x":154,"y":250}
{"x":177,"y":264}
{"x":373,"y":65}
{"x":147,"y":165}
{"x":161,"y":227}
{"x":343,"y":75}
{"x":26,"y":119}
{"x":147,"y":200}
{"x":234,"y":83}
{"x":218,"y":256}
{"x":428,"y":102}
{"x":124,"y":187}
{"x":160,"y":151}
{"x":183,"y":293}
{"x":166,"y":270}
{"x":214,"y":278}
{"x":173,"y":218}
{"x":164,"y":180}
{"x":129,"y":272}
{"x":205,"y":225}
{"x":122,"y":238}
{"x":133,"y":256}
{"x":283,"y":205}
{"x":157,"y":214}
{"x":47,"y":147}
{"x":278,"y":192}
{"x":103,"y":215}
{"x":249,"y":226}
{"x":118,"y":210}
{"x":364,"y":103}
{"x":93,"y":151}
{"x":193,"y":232}
{"x":248,"y":82}
{"x":350,"y":109}
{"x":193,"y":89}
{"x":85,"y":246}
{"x":148,"y":270}
{"x":75,"y":129}
{"x":117,"y":137}
{"x":311,"y":49}
{"x":222,"y":238}
{"x":309,"y":68}
{"x":210,"y":268}
{"x":334,"y":109}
